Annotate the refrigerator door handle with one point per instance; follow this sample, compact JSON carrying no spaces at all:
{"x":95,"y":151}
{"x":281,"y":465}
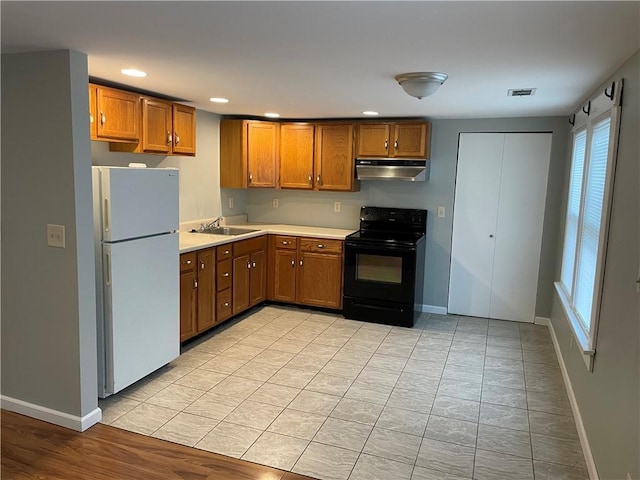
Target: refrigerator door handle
{"x":107,"y":269}
{"x":105,"y":215}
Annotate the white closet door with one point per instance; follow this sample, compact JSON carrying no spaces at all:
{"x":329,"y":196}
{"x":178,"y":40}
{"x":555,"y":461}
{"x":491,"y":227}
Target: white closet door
{"x":518,"y":239}
{"x":474,"y":222}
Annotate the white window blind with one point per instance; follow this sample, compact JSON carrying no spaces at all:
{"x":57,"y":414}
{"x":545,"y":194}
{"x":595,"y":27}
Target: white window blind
{"x":586,"y":224}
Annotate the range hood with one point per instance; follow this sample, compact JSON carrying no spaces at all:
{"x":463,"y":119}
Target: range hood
{"x":410,"y":170}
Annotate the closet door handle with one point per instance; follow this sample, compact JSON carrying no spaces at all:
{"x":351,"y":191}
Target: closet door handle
{"x":491,"y":236}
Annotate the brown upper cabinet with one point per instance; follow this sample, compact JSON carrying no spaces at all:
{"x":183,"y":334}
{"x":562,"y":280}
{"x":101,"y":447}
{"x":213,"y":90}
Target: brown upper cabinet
{"x":334,"y":159}
{"x":114,"y":115}
{"x":393,"y":140}
{"x":167,"y":127}
{"x":296,"y":156}
{"x":141,"y":124}
{"x":248,"y":153}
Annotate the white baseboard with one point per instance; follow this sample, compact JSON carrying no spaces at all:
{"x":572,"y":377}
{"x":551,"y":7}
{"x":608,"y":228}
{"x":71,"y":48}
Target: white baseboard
{"x":582,"y":433}
{"x":49,"y":415}
{"x":542,"y":321}
{"x":434,"y":309}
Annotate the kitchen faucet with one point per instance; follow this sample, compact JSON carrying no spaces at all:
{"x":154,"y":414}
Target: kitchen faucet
{"x":212,"y":224}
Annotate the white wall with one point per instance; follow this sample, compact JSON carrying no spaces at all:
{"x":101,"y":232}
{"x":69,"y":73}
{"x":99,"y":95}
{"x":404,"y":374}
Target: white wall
{"x":48,"y":294}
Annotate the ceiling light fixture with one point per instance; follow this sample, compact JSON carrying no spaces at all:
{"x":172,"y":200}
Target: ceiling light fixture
{"x":219,"y":100}
{"x":272,"y":115}
{"x":421,"y":84}
{"x":370,"y":113}
{"x":132,"y":72}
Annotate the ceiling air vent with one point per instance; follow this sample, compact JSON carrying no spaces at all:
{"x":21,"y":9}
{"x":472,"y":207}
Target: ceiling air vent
{"x":521,"y":92}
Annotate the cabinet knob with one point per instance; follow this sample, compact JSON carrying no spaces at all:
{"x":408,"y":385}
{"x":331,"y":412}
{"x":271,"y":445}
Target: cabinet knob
{"x":169,"y":138}
{"x":195,"y":283}
{"x":320,"y":245}
{"x":177,"y":137}
{"x":188,"y":262}
{"x":284,"y":242}
{"x":253,"y":265}
{"x":301,"y":262}
{"x":251,"y":178}
{"x":225,"y":304}
{"x":386,"y":144}
{"x":395,"y":144}
{"x":226,"y":252}
{"x":293,"y":263}
{"x":103,"y":119}
{"x":90,"y":118}
{"x":201,"y":265}
{"x":319,"y":179}
{"x":226,"y":274}
{"x":310,"y":179}
{"x":249,"y":265}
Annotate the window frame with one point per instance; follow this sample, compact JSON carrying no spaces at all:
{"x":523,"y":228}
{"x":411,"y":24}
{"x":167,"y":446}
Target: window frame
{"x":603,"y":106}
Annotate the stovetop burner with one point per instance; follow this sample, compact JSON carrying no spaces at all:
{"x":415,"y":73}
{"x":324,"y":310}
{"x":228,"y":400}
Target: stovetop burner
{"x":390,"y":226}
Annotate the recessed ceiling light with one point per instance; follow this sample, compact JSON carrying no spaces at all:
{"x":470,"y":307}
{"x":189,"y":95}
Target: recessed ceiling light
{"x":371,"y":113}
{"x":132,"y":72}
{"x":219,"y":100}
{"x":272,"y":115}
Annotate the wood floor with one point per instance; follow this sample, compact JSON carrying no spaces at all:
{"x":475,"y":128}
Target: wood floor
{"x":32,"y":449}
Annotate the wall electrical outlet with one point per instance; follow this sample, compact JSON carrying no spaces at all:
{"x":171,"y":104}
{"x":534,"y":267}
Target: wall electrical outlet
{"x":55,"y":236}
{"x":337,"y":206}
{"x":276,"y":203}
{"x":230,"y":202}
{"x":440,"y":212}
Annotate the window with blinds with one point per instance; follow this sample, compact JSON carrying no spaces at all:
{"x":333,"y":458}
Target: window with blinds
{"x":586,"y":223}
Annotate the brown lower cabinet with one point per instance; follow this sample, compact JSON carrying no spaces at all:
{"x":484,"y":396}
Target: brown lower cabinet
{"x":197,"y":292}
{"x":306,"y":271}
{"x":220,"y":282}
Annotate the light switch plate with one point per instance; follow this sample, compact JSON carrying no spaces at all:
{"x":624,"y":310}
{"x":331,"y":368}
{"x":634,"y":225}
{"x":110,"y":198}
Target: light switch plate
{"x":440,"y":212}
{"x":337,"y":206}
{"x":55,"y":236}
{"x":276,"y":203}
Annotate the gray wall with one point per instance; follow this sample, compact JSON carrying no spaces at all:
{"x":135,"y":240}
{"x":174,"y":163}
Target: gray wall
{"x":608,"y":398}
{"x":48,"y":294}
{"x":200,"y":194}
{"x":315,"y":208}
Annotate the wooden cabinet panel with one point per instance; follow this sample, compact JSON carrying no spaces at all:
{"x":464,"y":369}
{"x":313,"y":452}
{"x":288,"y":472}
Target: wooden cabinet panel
{"x":320,"y":280}
{"x":156,"y":126}
{"x":393,"y":140}
{"x":410,"y":140}
{"x":224,"y":275}
{"x":334,"y":161}
{"x":224,"y":252}
{"x":93,"y":115}
{"x":250,"y":245}
{"x":296,"y":156}
{"x":258,"y":278}
{"x":187,"y":261}
{"x":184,"y":129}
{"x":373,"y":140}
{"x":188,"y":299}
{"x":224,"y":307}
{"x":320,"y":245}
{"x":285,"y":269}
{"x":262,"y":154}
{"x":206,"y":289}
{"x":284,"y":241}
{"x":118,"y":115}
{"x":241,"y":279}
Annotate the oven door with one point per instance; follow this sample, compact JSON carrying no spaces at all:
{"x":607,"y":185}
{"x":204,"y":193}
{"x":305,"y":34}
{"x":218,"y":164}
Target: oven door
{"x":380,"y":272}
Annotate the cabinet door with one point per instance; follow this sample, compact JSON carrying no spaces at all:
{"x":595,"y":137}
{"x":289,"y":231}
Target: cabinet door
{"x":320,"y":280}
{"x":224,"y":273}
{"x":284,"y":281}
{"x":241,"y":278}
{"x":206,"y":289}
{"x":373,"y":140}
{"x":188,"y":293}
{"x":410,"y":140}
{"x":156,"y":126}
{"x":262,"y":154}
{"x":118,"y":115}
{"x":93,"y":116}
{"x":258,"y":278}
{"x":224,"y":308}
{"x":296,"y":156}
{"x":334,"y":157}
{"x":184,"y":129}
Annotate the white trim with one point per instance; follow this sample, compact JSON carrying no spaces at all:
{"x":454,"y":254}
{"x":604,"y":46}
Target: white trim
{"x":434,"y":309}
{"x":575,"y":326}
{"x":49,"y":415}
{"x":542,"y":321}
{"x":582,"y":433}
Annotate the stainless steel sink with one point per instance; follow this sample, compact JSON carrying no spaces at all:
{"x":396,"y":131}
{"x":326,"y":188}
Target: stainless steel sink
{"x":225,"y":231}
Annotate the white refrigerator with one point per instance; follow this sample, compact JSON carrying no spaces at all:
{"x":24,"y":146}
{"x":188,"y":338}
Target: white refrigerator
{"x":137,"y":273}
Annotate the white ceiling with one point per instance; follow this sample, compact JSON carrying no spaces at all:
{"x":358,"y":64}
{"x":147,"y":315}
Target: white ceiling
{"x":335,"y":59}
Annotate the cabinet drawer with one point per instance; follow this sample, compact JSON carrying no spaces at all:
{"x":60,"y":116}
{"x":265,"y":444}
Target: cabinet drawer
{"x":250,"y":245}
{"x":321,"y":245}
{"x":225,"y":251}
{"x":224,"y":306}
{"x":187,"y":261}
{"x":224,"y":273}
{"x":283,"y":241}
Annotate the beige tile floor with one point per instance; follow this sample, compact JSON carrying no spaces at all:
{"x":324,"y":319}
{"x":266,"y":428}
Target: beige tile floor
{"x":313,"y":393}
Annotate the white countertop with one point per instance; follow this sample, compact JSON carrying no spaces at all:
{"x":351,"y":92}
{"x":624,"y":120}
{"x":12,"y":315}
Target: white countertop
{"x":196,"y":241}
